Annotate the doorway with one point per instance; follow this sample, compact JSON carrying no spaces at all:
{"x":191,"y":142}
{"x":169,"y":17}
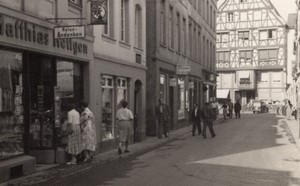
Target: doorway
{"x":137,"y":110}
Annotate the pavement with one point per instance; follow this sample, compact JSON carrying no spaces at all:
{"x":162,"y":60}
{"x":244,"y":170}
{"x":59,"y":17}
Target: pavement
{"x":48,"y":172}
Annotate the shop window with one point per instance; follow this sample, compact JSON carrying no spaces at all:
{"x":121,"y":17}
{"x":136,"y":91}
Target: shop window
{"x":107,"y":103}
{"x":181,"y":98}
{"x":11,"y":105}
{"x":163,"y":87}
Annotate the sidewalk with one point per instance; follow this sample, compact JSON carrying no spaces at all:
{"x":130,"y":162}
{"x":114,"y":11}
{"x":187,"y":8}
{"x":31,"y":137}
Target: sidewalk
{"x":293,"y":128}
{"x":48,"y":172}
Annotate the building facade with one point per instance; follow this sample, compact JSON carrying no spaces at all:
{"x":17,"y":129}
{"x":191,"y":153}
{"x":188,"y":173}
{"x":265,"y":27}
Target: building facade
{"x":180,"y":57}
{"x":251,"y":51}
{"x":119,"y":70}
{"x":39,"y":77}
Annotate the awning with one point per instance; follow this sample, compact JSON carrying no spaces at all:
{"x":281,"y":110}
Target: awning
{"x":222,"y":94}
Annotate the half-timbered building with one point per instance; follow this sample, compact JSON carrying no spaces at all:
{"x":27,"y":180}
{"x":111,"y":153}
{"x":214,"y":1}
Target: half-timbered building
{"x":251,"y":51}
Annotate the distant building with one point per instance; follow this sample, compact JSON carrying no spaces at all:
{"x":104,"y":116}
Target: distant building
{"x":180,"y":57}
{"x":251,"y":51}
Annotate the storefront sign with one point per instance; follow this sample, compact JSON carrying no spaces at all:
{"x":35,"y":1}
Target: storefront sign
{"x":183,"y":69}
{"x":69,"y":32}
{"x":22,"y":32}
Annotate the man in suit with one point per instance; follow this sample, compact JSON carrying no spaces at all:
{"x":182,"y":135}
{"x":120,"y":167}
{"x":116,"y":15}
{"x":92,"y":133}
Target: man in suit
{"x":207,"y":117}
{"x":195,"y":117}
{"x":162,"y":112}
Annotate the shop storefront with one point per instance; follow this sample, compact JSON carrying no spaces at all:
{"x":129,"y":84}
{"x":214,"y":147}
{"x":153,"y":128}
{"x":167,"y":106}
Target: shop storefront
{"x":39,"y":77}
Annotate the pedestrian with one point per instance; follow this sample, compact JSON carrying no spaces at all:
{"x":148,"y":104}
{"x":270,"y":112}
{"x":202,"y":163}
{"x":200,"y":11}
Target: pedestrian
{"x":74,"y":145}
{"x":207,"y":117}
{"x":162,"y":112}
{"x":88,"y":131}
{"x":224,"y":106}
{"x":237,"y":109}
{"x":230,"y":108}
{"x":288,"y":109}
{"x":196,"y":119}
{"x":124,"y":118}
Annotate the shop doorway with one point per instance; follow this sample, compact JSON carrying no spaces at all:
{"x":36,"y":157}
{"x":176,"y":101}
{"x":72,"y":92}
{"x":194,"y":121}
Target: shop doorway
{"x":137,"y":110}
{"x":171,"y":105}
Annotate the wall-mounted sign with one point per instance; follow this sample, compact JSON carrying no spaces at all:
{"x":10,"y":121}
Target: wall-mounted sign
{"x":99,"y":12}
{"x":183,"y":69}
{"x":69,"y":32}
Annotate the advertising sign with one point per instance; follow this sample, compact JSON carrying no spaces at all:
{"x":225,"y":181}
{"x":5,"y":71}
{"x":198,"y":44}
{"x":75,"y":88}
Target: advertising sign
{"x":69,"y":32}
{"x":99,"y":12}
{"x":183,"y":69}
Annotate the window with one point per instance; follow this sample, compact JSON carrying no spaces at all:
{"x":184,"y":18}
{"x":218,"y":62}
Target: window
{"x":222,"y":38}
{"x":163,"y":22}
{"x":171,"y":27}
{"x":178,"y":29}
{"x":267,"y":34}
{"x":277,"y":76}
{"x":109,"y":28}
{"x":190,"y":39}
{"x":270,"y":55}
{"x":230,"y":17}
{"x":263,"y":76}
{"x":163,"y":87}
{"x":107,"y":127}
{"x":223,"y":57}
{"x":138,"y":26}
{"x":125,"y":21}
{"x":245,"y":57}
{"x":11,"y":105}
{"x":184,"y":35}
{"x":243,"y":36}
{"x":181,"y":99}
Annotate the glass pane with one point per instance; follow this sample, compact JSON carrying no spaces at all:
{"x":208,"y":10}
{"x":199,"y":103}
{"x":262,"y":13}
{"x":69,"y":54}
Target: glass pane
{"x":263,"y":55}
{"x":11,"y":106}
{"x":273,"y":54}
{"x":107,"y":124}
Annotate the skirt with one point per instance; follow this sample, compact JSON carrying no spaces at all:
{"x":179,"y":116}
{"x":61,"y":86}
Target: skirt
{"x":74,"y":146}
{"x":124,"y":130}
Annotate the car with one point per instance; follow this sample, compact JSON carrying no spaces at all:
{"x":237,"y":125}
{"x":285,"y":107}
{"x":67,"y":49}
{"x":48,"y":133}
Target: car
{"x":256,"y":107}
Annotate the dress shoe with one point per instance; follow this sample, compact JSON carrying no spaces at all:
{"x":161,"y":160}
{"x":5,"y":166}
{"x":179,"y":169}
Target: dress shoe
{"x":126,"y":151}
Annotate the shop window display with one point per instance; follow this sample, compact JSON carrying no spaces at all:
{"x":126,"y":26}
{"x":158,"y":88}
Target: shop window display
{"x":181,"y":98}
{"x":107,"y":102}
{"x":11,"y":104}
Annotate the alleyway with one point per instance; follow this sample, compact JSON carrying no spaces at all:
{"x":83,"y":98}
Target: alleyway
{"x":254,"y":150}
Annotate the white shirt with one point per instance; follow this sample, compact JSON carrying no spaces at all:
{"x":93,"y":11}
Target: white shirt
{"x":74,"y":117}
{"x":124,"y":114}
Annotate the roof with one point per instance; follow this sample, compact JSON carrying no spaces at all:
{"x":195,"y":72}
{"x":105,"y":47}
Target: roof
{"x":291,"y":22}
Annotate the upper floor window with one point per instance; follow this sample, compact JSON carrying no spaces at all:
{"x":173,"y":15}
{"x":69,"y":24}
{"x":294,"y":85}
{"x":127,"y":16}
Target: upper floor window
{"x":171,"y":27}
{"x":109,"y":28}
{"x":125,"y":20}
{"x":223,"y":57}
{"x":222,"y":38}
{"x":267,"y":34}
{"x":268,"y":55}
{"x":138,"y":26}
{"x":77,"y":2}
{"x":246,"y":56}
{"x":230,"y":17}
{"x":243,"y":36}
{"x":163,"y":22}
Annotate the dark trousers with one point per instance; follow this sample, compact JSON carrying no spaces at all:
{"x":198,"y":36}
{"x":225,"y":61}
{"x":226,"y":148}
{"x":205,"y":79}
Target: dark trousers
{"x":209,"y":124}
{"x":237,"y":114}
{"x":230,"y":113}
{"x":162,"y":127}
{"x":196,"y":125}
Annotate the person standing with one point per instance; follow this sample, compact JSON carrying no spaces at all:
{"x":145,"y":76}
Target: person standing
{"x":124,"y":118}
{"x":289,"y":110}
{"x":74,"y":145}
{"x":237,"y":109}
{"x":207,"y":117}
{"x":88,"y":131}
{"x":224,"y":106}
{"x":230,"y":109}
{"x":196,"y":119}
{"x":162,"y":112}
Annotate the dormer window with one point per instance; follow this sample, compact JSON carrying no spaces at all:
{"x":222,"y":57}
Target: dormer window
{"x":230,"y":17}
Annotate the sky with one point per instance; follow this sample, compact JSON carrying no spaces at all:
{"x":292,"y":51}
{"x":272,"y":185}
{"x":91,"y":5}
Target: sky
{"x":284,"y":7}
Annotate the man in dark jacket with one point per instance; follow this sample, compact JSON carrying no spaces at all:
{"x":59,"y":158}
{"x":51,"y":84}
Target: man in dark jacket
{"x":207,"y":117}
{"x":162,"y":112}
{"x":237,"y":109}
{"x":196,"y":119}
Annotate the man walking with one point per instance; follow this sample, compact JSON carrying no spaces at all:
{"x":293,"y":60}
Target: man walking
{"x":162,"y":112}
{"x":230,"y":108}
{"x":207,"y":117}
{"x":237,"y":109}
{"x":195,"y":117}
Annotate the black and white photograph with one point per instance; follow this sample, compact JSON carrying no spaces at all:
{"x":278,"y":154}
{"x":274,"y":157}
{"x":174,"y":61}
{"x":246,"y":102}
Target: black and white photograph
{"x":150,"y":92}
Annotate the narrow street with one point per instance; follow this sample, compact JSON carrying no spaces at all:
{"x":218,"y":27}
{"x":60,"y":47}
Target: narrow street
{"x":254,"y":150}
